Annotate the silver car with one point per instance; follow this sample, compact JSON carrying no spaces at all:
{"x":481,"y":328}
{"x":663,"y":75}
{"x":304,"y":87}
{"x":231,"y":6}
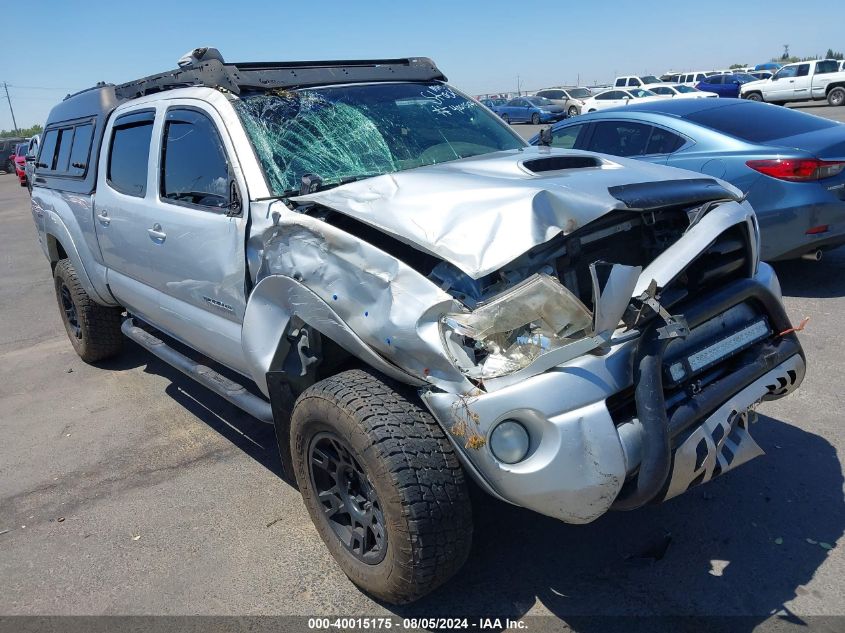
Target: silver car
{"x":571,"y":98}
{"x":369,"y":260}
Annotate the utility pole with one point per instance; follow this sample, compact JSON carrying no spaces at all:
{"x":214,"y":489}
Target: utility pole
{"x":14,"y":123}
{"x":518,"y":87}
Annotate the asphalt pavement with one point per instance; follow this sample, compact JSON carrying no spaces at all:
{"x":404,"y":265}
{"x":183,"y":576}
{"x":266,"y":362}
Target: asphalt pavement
{"x":125,"y":488}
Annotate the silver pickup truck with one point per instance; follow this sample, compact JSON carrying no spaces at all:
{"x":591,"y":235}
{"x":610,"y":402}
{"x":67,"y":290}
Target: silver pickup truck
{"x":378,"y":266}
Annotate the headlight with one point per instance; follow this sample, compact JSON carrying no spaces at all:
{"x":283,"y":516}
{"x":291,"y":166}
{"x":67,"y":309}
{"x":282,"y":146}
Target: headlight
{"x":512,"y":330}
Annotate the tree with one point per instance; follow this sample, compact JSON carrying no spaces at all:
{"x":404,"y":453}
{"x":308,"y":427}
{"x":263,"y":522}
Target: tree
{"x":732,"y":66}
{"x":24,"y":132}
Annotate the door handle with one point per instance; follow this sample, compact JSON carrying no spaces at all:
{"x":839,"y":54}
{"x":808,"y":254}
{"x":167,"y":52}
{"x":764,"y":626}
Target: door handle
{"x":156,"y":233}
{"x":103,"y":217}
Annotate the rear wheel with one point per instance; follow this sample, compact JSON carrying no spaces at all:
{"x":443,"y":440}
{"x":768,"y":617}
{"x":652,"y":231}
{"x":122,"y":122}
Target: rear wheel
{"x":535,"y":119}
{"x":836,"y":97}
{"x":93,"y":330}
{"x":506,"y":119}
{"x":382,"y":484}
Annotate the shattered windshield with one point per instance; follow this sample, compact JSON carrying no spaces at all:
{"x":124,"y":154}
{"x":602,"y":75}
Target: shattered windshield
{"x":344,"y":133}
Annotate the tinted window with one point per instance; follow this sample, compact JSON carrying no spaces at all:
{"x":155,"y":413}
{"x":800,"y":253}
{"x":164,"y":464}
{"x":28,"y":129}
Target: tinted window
{"x":828,"y":66}
{"x":48,"y":150}
{"x":193,"y":162}
{"x":803,"y":70}
{"x":633,"y":81}
{"x":63,"y":155}
{"x":620,"y":138}
{"x":571,"y":137}
{"x":663,"y":142}
{"x":662,"y":90}
{"x":514,"y":102}
{"x":129,"y":153}
{"x":605,"y":96}
{"x":80,"y":149}
{"x":620,"y":82}
{"x":716,"y":80}
{"x":759,"y":123}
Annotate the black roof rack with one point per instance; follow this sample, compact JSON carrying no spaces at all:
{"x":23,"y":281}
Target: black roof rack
{"x":236,"y":77}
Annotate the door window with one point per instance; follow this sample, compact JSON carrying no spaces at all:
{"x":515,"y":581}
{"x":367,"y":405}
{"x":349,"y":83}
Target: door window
{"x":620,"y":138}
{"x":129,"y":153}
{"x":786,"y":72}
{"x":803,"y":70}
{"x":620,"y":82}
{"x":194,"y":169}
{"x":570,"y":137}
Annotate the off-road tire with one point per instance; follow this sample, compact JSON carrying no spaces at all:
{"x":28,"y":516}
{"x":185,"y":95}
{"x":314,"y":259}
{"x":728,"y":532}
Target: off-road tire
{"x":836,"y":97}
{"x":535,"y":119}
{"x":754,"y":96}
{"x":97,"y":334}
{"x":410,"y":465}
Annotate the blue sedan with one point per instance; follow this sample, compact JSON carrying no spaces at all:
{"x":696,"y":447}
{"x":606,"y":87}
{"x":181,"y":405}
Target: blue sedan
{"x":534,"y":110}
{"x":790,"y":164}
{"x":725,"y":85}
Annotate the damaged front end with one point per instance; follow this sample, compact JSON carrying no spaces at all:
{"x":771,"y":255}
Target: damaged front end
{"x":535,"y":302}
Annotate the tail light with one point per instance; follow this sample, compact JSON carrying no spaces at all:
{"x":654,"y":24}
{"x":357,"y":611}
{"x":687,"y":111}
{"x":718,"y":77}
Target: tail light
{"x":797,"y":169}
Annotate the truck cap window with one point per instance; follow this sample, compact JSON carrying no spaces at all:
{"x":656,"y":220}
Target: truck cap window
{"x":193,"y":163}
{"x":129,"y":153}
{"x":351,"y":132}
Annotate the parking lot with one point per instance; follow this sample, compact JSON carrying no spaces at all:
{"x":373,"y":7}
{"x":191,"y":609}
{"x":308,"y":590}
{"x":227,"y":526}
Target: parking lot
{"x":128,"y":489}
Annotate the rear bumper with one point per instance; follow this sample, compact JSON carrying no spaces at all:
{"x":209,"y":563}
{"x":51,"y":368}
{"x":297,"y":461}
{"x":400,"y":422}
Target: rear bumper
{"x":581,"y":459}
{"x":785,"y":214}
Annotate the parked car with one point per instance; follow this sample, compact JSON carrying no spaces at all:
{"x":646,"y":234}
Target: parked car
{"x":494,"y":104}
{"x":31,"y":153}
{"x":680,"y":91}
{"x":761,"y":74}
{"x":635,"y":81}
{"x":421,"y":308}
{"x":535,"y":110}
{"x":571,"y":99}
{"x":7,"y":151}
{"x":816,"y":80}
{"x":726,"y":86}
{"x":671,"y":77}
{"x":772,"y":66}
{"x":691,"y":79}
{"x":20,"y":162}
{"x":790,"y":164}
{"x":616,"y":98}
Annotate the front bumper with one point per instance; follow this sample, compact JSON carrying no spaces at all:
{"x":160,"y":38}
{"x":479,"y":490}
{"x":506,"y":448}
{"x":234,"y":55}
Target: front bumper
{"x":581,"y":457}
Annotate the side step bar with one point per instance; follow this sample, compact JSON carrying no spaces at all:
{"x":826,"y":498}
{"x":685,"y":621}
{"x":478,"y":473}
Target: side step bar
{"x":207,"y":377}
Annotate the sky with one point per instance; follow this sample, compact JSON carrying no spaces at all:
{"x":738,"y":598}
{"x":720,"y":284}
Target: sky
{"x":53,"y":48}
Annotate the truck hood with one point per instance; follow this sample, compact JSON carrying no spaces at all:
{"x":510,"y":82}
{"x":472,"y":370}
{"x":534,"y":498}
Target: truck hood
{"x":751,"y":85}
{"x":483,"y":212}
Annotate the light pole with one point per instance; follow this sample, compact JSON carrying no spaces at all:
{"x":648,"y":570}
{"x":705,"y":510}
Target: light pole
{"x":14,"y":123}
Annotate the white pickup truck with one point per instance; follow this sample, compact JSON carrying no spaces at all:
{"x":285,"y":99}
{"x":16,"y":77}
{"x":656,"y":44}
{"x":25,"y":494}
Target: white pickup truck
{"x":819,"y":79}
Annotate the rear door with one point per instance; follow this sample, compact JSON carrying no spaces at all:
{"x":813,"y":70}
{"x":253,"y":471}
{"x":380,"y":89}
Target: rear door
{"x":121,"y":203}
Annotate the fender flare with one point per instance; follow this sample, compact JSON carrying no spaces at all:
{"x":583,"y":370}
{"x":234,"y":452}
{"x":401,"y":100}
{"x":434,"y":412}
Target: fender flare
{"x":272,"y":304}
{"x":54,"y":227}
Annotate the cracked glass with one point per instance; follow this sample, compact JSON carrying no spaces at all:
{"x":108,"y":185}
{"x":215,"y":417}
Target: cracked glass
{"x":346,"y":133}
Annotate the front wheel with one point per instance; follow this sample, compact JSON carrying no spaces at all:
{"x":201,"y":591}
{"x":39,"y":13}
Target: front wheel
{"x":535,"y":119}
{"x":754,"y":96}
{"x":93,"y":330}
{"x":836,"y":97}
{"x":382,"y":484}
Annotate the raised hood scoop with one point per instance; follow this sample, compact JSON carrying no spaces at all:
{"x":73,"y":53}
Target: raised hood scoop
{"x":481,"y":213}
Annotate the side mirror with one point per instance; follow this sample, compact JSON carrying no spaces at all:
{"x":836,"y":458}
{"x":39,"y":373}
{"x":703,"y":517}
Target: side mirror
{"x":546,"y":136}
